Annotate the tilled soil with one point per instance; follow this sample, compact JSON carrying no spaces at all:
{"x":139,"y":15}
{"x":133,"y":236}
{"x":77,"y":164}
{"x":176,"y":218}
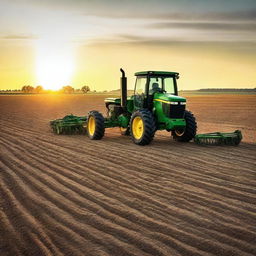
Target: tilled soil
{"x":69,"y":195}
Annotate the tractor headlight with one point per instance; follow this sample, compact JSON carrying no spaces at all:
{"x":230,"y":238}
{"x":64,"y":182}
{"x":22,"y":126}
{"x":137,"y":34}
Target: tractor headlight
{"x":182,"y":103}
{"x":174,"y":103}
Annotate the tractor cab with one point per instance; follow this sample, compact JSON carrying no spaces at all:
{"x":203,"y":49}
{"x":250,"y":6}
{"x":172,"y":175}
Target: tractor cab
{"x":149,"y":86}
{"x":152,"y":83}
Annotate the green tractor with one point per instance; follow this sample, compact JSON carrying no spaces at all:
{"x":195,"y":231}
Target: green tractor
{"x":155,"y":105}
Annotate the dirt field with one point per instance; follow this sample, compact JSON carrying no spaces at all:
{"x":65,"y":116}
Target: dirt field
{"x":68,"y":195}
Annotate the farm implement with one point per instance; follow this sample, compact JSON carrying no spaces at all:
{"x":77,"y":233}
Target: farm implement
{"x":69,"y":124}
{"x":218,"y":138}
{"x":155,"y":105}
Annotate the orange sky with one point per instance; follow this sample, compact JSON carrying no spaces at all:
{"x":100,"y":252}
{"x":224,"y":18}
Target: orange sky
{"x":57,"y":43}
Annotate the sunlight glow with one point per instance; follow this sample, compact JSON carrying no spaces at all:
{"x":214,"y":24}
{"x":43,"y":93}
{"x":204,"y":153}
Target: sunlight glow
{"x":55,"y":63}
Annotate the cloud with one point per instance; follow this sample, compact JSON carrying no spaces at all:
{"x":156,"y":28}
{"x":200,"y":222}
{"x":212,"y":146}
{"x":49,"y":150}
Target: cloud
{"x":151,"y":9}
{"x":246,"y":15}
{"x":18,"y":37}
{"x":205,"y":26}
{"x":234,"y":16}
{"x":123,"y":40}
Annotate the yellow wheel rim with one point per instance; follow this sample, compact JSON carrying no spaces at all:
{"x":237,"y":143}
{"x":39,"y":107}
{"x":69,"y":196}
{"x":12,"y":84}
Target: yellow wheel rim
{"x":137,"y":127}
{"x":91,"y":125}
{"x":179,"y":132}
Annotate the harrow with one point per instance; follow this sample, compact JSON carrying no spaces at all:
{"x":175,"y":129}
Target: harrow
{"x":69,"y":124}
{"x":218,"y":138}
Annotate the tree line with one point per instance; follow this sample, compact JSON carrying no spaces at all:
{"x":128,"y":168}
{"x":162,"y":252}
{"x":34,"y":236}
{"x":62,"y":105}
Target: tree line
{"x":69,"y":89}
{"x":228,"y":90}
{"x":39,"y":89}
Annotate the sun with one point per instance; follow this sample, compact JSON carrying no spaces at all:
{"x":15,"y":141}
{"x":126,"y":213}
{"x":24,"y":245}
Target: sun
{"x":54,"y":63}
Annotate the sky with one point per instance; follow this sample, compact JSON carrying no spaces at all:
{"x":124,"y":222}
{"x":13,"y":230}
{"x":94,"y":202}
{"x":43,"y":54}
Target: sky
{"x":212,"y":44}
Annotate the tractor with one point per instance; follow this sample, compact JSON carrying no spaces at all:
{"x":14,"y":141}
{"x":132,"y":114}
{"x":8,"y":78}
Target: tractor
{"x":154,"y":105}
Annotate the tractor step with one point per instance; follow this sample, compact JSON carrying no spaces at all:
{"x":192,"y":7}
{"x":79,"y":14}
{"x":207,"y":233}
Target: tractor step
{"x":218,"y":138}
{"x":69,"y":124}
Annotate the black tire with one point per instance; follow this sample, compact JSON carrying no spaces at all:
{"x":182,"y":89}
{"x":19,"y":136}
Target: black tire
{"x":190,"y":131}
{"x":98,"y":132}
{"x":125,"y":131}
{"x":149,"y":127}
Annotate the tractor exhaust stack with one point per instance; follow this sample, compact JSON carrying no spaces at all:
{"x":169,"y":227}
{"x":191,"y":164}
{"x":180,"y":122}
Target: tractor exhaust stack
{"x":123,"y":82}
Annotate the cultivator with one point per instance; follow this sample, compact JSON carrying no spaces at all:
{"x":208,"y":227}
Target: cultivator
{"x":218,"y":138}
{"x":69,"y":124}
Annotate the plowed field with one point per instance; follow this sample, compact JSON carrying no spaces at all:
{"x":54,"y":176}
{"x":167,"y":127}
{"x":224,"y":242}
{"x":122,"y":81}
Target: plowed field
{"x":68,"y":195}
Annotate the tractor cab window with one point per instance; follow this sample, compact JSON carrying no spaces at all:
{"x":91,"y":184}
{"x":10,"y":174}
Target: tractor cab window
{"x":168,"y":85}
{"x":140,"y":92}
{"x":140,"y":85}
{"x":155,"y":85}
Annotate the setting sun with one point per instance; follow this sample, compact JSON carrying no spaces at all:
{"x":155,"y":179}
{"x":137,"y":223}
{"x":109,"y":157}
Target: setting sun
{"x":54,"y":64}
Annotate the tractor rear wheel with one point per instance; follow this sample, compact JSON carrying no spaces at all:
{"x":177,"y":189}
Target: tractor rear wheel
{"x":189,"y":132}
{"x":95,"y":125}
{"x":142,"y":127}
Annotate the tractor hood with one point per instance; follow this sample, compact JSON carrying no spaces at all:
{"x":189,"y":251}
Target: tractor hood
{"x":168,"y":97}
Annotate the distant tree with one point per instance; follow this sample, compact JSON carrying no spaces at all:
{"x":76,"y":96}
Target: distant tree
{"x":67,"y":89}
{"x":39,"y":89}
{"x":24,"y":88}
{"x":27,"y":89}
{"x":85,"y":89}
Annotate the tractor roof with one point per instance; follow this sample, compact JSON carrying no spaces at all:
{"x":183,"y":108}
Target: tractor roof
{"x":160,"y":73}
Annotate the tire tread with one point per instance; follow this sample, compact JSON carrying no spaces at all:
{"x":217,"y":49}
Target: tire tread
{"x":149,"y":127}
{"x":100,"y":127}
{"x":191,"y":128}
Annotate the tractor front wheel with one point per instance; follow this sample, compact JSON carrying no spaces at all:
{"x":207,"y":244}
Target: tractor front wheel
{"x":95,"y":125}
{"x":142,"y":127}
{"x":189,"y":132}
